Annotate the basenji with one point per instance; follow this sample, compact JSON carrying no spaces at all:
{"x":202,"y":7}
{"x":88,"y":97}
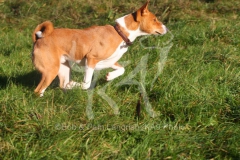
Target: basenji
{"x":96,"y":47}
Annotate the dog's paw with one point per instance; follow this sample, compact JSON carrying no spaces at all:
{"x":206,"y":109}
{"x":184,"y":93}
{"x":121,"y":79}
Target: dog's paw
{"x":109,"y":76}
{"x":114,"y":74}
{"x":72,"y":85}
{"x":85,"y":85}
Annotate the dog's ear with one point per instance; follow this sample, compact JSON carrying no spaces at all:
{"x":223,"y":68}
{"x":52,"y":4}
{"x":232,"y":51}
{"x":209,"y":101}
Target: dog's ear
{"x":144,"y":8}
{"x":142,"y":11}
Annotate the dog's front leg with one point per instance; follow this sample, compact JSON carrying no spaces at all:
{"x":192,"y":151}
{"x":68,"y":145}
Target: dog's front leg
{"x":87,"y":77}
{"x":119,"y":70}
{"x":89,"y":69}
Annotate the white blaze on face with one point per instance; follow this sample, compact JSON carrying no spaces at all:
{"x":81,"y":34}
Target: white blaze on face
{"x":164,"y":29}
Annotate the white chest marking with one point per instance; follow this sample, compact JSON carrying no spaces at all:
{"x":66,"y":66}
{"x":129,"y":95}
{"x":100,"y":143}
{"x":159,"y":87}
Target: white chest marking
{"x":110,"y":61}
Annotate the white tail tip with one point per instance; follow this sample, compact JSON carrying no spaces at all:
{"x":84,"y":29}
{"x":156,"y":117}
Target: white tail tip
{"x":39,"y":34}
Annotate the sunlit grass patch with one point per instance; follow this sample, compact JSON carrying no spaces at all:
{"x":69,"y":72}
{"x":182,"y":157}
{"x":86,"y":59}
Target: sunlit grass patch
{"x":196,"y":95}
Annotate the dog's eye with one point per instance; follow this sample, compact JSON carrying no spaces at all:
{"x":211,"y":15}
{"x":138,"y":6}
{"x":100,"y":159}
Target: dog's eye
{"x":155,"y":19}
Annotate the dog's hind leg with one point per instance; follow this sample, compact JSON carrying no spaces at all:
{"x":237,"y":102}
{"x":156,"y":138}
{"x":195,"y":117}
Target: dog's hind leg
{"x":40,"y":84}
{"x":64,"y":74}
{"x":119,"y":70}
{"x":64,"y":77}
{"x":47,"y":78}
{"x":40,"y":89}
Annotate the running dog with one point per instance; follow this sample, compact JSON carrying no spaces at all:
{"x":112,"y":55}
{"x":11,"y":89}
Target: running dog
{"x":96,"y":47}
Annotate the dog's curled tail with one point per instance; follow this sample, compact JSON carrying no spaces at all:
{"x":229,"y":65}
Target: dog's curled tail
{"x":42,"y":30}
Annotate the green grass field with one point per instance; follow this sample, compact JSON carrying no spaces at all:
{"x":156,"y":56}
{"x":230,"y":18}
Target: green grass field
{"x":191,"y":79}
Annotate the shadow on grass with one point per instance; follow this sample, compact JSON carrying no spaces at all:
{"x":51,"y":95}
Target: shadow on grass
{"x":29,"y":80}
{"x":3,"y":81}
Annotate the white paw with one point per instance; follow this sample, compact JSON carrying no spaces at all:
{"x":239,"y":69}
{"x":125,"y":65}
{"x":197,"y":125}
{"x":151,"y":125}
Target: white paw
{"x":72,"y":85}
{"x":110,"y":76}
{"x":42,"y":92}
{"x":85,"y":85}
{"x":114,"y":74}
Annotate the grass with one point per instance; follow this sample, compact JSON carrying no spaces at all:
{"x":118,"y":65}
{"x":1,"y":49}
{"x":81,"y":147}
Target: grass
{"x":196,"y":96}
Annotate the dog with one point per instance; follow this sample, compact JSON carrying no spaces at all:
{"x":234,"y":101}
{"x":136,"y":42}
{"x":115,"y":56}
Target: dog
{"x":96,"y":47}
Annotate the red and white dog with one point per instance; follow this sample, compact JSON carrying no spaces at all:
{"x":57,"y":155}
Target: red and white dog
{"x":96,"y":47}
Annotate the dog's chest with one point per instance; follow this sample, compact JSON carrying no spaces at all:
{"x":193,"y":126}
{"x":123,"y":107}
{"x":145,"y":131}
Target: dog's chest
{"x":110,"y":61}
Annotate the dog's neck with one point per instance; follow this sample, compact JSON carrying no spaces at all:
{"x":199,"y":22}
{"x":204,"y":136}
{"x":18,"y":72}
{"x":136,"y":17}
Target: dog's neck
{"x":132,"y":33}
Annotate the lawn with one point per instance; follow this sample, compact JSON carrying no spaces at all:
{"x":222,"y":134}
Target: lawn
{"x":179,"y":97}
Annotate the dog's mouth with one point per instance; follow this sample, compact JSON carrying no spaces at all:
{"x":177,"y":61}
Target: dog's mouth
{"x":165,"y":30}
{"x":161,"y":33}
{"x":158,"y":33}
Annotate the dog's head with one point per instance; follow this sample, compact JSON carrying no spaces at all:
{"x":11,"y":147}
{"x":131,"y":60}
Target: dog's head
{"x":146,"y":21}
{"x":149,"y":22}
